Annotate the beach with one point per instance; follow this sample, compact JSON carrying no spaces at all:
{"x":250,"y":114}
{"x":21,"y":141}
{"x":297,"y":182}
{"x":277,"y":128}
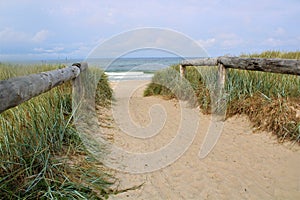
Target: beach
{"x":244,"y":164}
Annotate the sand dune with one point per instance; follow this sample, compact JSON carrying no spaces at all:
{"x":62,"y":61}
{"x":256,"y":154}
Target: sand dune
{"x":242,"y":165}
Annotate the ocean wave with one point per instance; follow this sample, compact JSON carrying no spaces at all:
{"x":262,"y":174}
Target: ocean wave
{"x":132,"y":75}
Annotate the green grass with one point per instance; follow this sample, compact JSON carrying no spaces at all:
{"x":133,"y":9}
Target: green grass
{"x":275,"y":54}
{"x":41,"y":154}
{"x":270,"y":100}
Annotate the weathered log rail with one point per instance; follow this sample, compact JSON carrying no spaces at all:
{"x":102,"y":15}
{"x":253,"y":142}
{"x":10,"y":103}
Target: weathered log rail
{"x":273,"y":65}
{"x":282,"y":66}
{"x":17,"y":90}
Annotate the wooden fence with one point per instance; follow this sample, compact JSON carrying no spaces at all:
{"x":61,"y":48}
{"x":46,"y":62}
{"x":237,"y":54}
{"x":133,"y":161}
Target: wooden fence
{"x":282,"y":66}
{"x":17,"y":90}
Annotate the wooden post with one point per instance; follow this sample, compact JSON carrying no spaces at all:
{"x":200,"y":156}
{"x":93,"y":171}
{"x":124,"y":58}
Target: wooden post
{"x":220,"y":99}
{"x":85,"y":117}
{"x":15,"y":91}
{"x":221,"y":77}
{"x":182,"y":71}
{"x":78,"y":87}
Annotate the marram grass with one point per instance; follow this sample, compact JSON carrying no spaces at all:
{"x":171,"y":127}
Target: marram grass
{"x":41,"y":154}
{"x":270,"y":100}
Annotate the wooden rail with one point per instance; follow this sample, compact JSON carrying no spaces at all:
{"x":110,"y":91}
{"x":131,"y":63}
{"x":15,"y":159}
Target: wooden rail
{"x":17,"y":90}
{"x":274,"y":65}
{"x":282,"y":66}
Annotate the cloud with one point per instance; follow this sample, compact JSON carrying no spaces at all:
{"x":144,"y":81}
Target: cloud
{"x":224,"y":40}
{"x":86,"y":13}
{"x":149,"y":38}
{"x":52,"y":50}
{"x":10,"y":35}
{"x":280,"y":31}
{"x":229,"y":40}
{"x":80,"y":51}
{"x":207,"y":43}
{"x":40,"y":36}
{"x":282,"y":42}
{"x":272,"y":42}
{"x":234,"y":26}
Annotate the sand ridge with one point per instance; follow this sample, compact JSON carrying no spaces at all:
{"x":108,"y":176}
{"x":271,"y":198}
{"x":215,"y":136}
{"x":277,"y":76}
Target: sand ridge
{"x":243,"y":164}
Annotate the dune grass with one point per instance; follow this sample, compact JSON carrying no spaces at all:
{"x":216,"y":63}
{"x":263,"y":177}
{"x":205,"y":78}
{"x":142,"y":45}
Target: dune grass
{"x":270,"y":100}
{"x":41,"y":154}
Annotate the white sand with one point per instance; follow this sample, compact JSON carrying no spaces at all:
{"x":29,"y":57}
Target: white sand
{"x":243,"y":164}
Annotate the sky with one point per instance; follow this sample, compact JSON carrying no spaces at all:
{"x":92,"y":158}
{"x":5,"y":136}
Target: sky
{"x":37,"y":29}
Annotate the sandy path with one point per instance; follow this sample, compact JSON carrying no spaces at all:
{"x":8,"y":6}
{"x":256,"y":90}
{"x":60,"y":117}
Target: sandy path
{"x":243,"y":165}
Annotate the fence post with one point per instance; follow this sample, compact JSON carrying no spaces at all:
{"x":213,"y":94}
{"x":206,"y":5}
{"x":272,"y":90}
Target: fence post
{"x":221,"y":77}
{"x":78,"y":86}
{"x":220,"y":108}
{"x":182,"y":71}
{"x":85,"y":116}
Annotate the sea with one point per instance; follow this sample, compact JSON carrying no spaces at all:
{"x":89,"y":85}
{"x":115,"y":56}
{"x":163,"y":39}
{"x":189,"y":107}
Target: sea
{"x":133,"y":68}
{"x":141,"y":68}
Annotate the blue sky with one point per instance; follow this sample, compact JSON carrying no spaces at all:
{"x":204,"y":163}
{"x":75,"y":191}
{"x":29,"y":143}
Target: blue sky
{"x":31,"y":29}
